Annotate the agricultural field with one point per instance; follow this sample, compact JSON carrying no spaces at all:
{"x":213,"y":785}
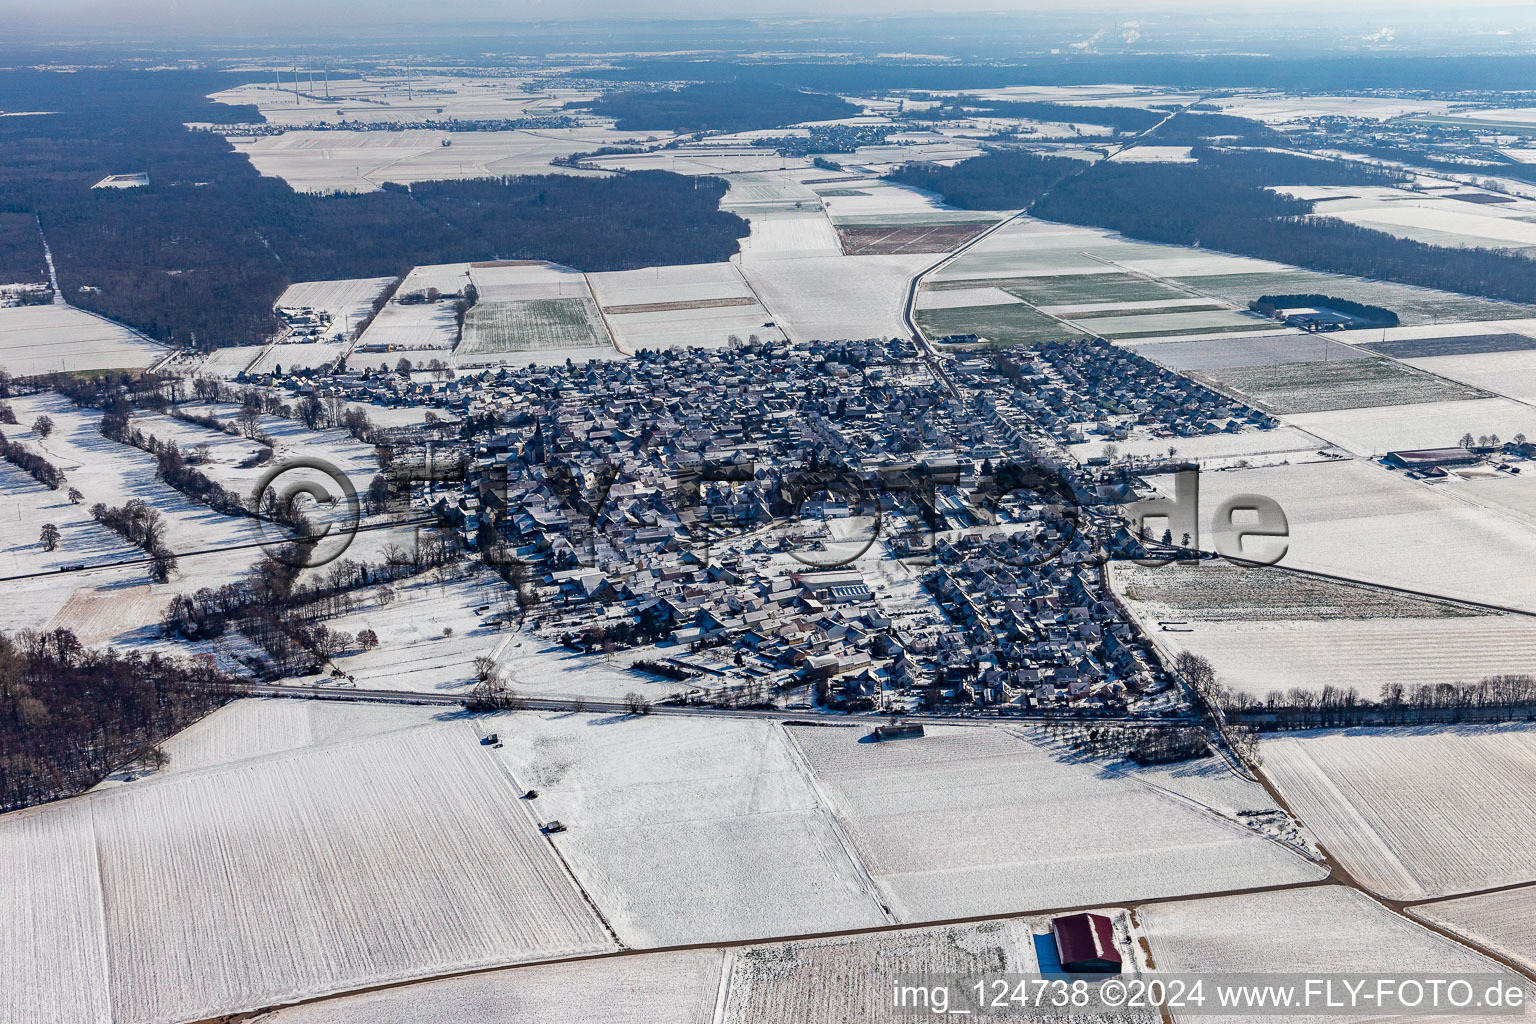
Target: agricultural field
{"x":348,"y":302}
{"x":1004,"y":324}
{"x":253,"y":728}
{"x":1258,"y":657}
{"x":1217,"y":591}
{"x":1324,"y":930}
{"x":663,"y":307}
{"x":787,"y":234}
{"x":1415,"y":813}
{"x":837,"y":296}
{"x":1173,"y":322}
{"x":1257,"y":350}
{"x":1313,"y":387}
{"x":975,"y":820}
{"x":1376,"y":431}
{"x":828,"y":981}
{"x":1414,"y":343}
{"x":210,"y":892}
{"x":645,"y":988}
{"x":690,"y":830}
{"x":518,"y":280}
{"x":548,"y":327}
{"x":1501,"y":921}
{"x":1363,"y":522}
{"x":1509,"y":373}
{"x":363,"y":161}
{"x":1213,"y":451}
{"x":885,"y":239}
{"x":49,"y":339}
{"x":962,"y":298}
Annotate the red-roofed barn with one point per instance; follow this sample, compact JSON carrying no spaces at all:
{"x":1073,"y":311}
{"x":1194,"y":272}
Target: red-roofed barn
{"x":1086,"y":944}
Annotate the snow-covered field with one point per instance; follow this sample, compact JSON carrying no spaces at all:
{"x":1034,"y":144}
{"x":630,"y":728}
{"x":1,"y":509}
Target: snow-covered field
{"x":1324,"y":930}
{"x":689,"y":829}
{"x":835,"y":297}
{"x":1415,"y":813}
{"x":662,"y":307}
{"x":1280,"y":654}
{"x":1512,"y":374}
{"x":788,"y":234}
{"x":1362,"y":521}
{"x":192,"y":895}
{"x":361,"y":161}
{"x":1297,"y":388}
{"x":1499,"y":920}
{"x":1246,"y":350}
{"x":256,"y":727}
{"x":1376,"y":431}
{"x":47,"y":339}
{"x":828,"y":981}
{"x":646,"y":988}
{"x":230,"y":361}
{"x":979,"y":820}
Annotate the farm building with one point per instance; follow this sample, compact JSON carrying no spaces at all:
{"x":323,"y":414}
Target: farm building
{"x":1431,"y":458}
{"x":1085,"y":944}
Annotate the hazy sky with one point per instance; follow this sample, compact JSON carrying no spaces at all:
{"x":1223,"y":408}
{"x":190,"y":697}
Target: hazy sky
{"x":87,"y":18}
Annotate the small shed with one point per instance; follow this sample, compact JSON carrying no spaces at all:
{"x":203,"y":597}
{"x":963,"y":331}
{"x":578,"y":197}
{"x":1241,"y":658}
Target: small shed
{"x":1085,"y":944}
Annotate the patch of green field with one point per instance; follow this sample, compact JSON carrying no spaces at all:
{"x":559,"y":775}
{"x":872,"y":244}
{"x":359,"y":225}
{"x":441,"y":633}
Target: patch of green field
{"x":1105,"y":314}
{"x":531,"y":325}
{"x":1010,"y":324}
{"x":1180,"y":332}
{"x":1172,"y":324}
{"x":1412,"y":305}
{"x":1078,"y":289}
{"x":1338,"y":384}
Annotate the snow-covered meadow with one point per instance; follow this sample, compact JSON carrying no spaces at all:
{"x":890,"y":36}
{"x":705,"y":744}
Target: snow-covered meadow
{"x":201,"y":893}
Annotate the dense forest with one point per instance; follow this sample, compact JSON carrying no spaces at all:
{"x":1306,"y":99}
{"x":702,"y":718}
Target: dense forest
{"x":21,"y":250}
{"x":1220,"y":203}
{"x":999,"y":181}
{"x":724,"y":107}
{"x":206,"y":248}
{"x":69,"y":715}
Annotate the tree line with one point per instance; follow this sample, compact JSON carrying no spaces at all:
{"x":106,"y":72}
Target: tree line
{"x":69,"y":715}
{"x":34,"y":465}
{"x":1008,"y":180}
